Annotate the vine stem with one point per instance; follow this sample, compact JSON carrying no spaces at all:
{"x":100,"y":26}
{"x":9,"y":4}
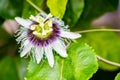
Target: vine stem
{"x":98,"y":30}
{"x":107,"y":61}
{"x":34,"y":6}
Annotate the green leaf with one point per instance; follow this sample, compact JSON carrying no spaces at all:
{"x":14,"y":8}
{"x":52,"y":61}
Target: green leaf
{"x":57,"y":7}
{"x":12,"y":68}
{"x":29,"y":10}
{"x":77,"y":8}
{"x":10,"y":8}
{"x":73,"y":11}
{"x":106,"y":45}
{"x":80,"y":64}
{"x":83,"y":60}
{"x":117,"y":77}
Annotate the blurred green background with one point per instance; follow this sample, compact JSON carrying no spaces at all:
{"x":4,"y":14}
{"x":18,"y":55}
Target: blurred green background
{"x":79,"y":15}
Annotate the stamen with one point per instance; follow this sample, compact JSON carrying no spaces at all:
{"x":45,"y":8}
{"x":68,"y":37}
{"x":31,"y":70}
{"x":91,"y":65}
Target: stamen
{"x":38,"y":19}
{"x":48,"y":16}
{"x":32,"y":17}
{"x":43,"y":31}
{"x":33,"y":27}
{"x":37,"y":34}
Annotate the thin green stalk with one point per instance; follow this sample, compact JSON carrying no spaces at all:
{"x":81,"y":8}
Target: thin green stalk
{"x":107,"y":61}
{"x":61,"y":71}
{"x":34,"y":6}
{"x":98,"y":30}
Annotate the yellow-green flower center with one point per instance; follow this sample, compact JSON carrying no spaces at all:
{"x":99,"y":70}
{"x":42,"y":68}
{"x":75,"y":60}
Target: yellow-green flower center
{"x":43,"y":29}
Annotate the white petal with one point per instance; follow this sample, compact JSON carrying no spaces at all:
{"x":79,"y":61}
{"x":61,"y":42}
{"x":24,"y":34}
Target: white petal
{"x":23,"y":22}
{"x":60,"y":48}
{"x":26,"y":49}
{"x":49,"y":55}
{"x":39,"y":54}
{"x":70,"y":35}
{"x":21,"y":37}
{"x":26,"y":42}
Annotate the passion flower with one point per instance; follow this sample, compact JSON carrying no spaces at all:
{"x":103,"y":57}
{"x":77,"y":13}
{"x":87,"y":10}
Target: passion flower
{"x":41,"y":35}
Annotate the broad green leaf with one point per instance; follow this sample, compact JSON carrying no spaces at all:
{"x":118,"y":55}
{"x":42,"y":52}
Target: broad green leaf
{"x":29,"y":10}
{"x":83,"y":60}
{"x":77,"y":8}
{"x":12,"y":68}
{"x":73,"y":11}
{"x":117,"y":77}
{"x":80,"y":64}
{"x":106,"y":45}
{"x":57,"y":7}
{"x":10,"y":8}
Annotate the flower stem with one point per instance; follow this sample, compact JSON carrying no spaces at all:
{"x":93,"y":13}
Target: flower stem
{"x":98,"y":30}
{"x":107,"y":61}
{"x":34,"y":6}
{"x":61,"y":71}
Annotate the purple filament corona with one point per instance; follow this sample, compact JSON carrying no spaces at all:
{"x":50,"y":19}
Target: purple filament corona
{"x":36,"y":41}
